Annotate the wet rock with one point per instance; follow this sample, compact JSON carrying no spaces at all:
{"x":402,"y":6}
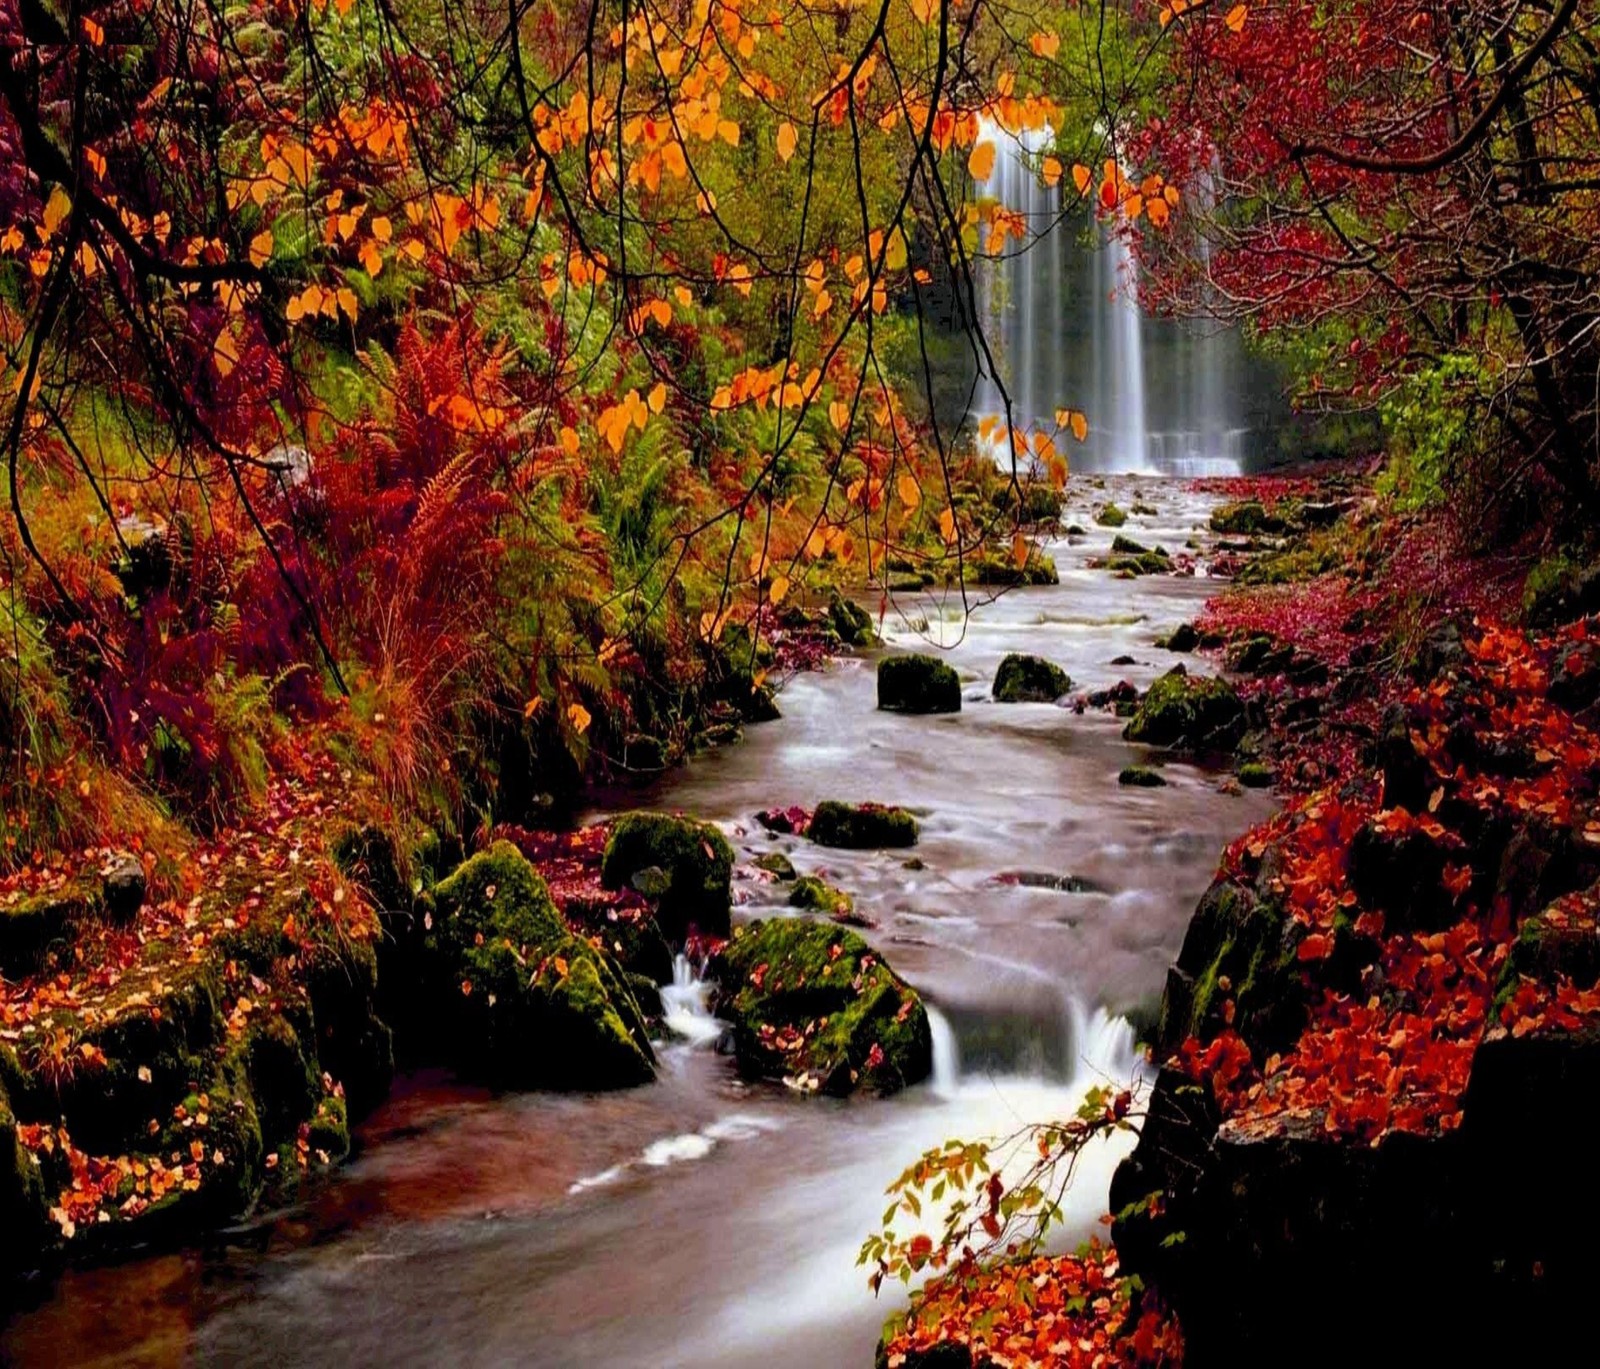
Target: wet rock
{"x":23,"y":1219}
{"x":1123,"y":692}
{"x":1397,"y":868}
{"x":775,"y":863}
{"x":813,"y":1003}
{"x":122,"y":887}
{"x":818,"y":896}
{"x":36,"y":927}
{"x":1123,"y":660}
{"x":861,"y":826}
{"x":851,"y":622}
{"x":1575,"y":680}
{"x":1183,"y":638}
{"x":918,"y":684}
{"x":1141,"y":777}
{"x":1442,"y":652}
{"x":988,"y":569}
{"x":522,"y":1000}
{"x":695,"y":858}
{"x":1245,"y":517}
{"x":1029,"y":679}
{"x":145,"y":563}
{"x":1196,"y":713}
{"x":1061,"y":884}
{"x":1560,"y":589}
{"x":1257,"y":775}
{"x":1110,"y":516}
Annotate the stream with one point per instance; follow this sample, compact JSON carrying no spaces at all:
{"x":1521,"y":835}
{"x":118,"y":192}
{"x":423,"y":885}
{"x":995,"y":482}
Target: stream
{"x":701,"y":1221}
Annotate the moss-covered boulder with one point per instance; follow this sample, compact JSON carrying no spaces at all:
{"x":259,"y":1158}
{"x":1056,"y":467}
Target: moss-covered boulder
{"x":918,"y":684}
{"x":1110,"y":516}
{"x":695,"y":859}
{"x":992,"y":568}
{"x":1561,"y":588}
{"x":1195,"y":712}
{"x":23,"y":1221}
{"x":1245,"y":517}
{"x":818,"y":896}
{"x":33,"y":927}
{"x":1141,"y":777}
{"x":776,"y":864}
{"x":1029,"y":679}
{"x":851,"y":622}
{"x":813,"y":1003}
{"x":861,"y":826}
{"x":518,"y":999}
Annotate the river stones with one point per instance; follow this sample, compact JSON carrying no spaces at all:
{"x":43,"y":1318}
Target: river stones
{"x":776,"y":864}
{"x":1196,"y":713}
{"x":525,"y":1001}
{"x":918,"y":683}
{"x":1141,"y":777}
{"x":851,"y":622}
{"x":1029,"y":679}
{"x":695,"y":859}
{"x":818,"y":896}
{"x":1000,"y":569}
{"x":814,"y":1005}
{"x":1245,"y":517}
{"x":861,"y":826}
{"x":1108,"y":515}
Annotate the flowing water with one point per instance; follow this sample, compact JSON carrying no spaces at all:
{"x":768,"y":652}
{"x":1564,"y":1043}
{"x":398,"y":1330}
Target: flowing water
{"x":1061,"y":313}
{"x":702,"y":1222}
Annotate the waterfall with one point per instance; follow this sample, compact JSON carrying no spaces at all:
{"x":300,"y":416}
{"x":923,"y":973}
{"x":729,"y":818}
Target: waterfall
{"x":946,"y":1054}
{"x":1065,"y":330}
{"x":684,"y":1003}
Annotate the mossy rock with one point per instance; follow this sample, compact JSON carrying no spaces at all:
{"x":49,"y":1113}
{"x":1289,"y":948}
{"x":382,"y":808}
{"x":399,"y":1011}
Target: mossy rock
{"x":38,"y":926}
{"x":1041,"y":502}
{"x":1257,"y":775}
{"x":352,"y":1042}
{"x":1190,"y":711}
{"x":519,"y":999}
{"x":1029,"y":679}
{"x":638,"y":944}
{"x":24,"y":1223}
{"x":810,"y":1001}
{"x":328,"y":1131}
{"x":1141,"y":777}
{"x":1245,"y":517}
{"x":861,"y":826}
{"x":1110,"y":516}
{"x":1126,"y":546}
{"x":1037,"y":569}
{"x":918,"y":683}
{"x":818,"y":896}
{"x":851,"y":622}
{"x":1237,"y":948}
{"x":1149,"y":563}
{"x":775,"y":863}
{"x":696,"y":859}
{"x":1182,"y":639}
{"x":1559,"y":589}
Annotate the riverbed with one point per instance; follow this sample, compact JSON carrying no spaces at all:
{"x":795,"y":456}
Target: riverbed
{"x":701,"y":1221}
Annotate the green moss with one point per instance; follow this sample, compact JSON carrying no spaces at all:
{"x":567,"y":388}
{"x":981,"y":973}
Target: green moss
{"x":519,"y":998}
{"x":1189,"y":711}
{"x":328,"y":1133}
{"x":694,"y":856}
{"x":1141,"y":777}
{"x":820,"y":896}
{"x":918,"y":684}
{"x":991,"y":569}
{"x":861,"y":826}
{"x":34,"y":928}
{"x":283,"y":1081}
{"x":1257,"y":775}
{"x":776,"y":863}
{"x":1029,"y":679}
{"x":851,"y":622}
{"x":1110,"y":516}
{"x":810,"y":1000}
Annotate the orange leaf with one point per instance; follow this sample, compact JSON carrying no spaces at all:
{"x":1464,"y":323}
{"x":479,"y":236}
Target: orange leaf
{"x":910,"y":495}
{"x":981,"y":163}
{"x":787,"y":139}
{"x":1235,"y":18}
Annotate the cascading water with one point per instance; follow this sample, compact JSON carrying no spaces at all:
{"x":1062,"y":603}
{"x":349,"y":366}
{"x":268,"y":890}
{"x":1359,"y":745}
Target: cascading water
{"x":684,"y":1005}
{"x":1065,"y":329}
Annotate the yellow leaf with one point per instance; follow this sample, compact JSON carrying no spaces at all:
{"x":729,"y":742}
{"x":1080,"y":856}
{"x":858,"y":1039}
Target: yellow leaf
{"x":1050,"y":170}
{"x":817,"y":543}
{"x":56,"y":210}
{"x":261,"y":248}
{"x":532,"y":707}
{"x":910,"y":495}
{"x":787,"y":138}
{"x":824,"y":302}
{"x":839,"y":414}
{"x":1081,"y":176}
{"x":1045,"y":44}
{"x":1235,"y":18}
{"x":1019,"y":551}
{"x":980,"y":164}
{"x":578,"y":716}
{"x":658,"y":397}
{"x":225,"y":352}
{"x":1080,"y":426}
{"x":778,"y":589}
{"x":569,"y":441}
{"x":947,"y":525}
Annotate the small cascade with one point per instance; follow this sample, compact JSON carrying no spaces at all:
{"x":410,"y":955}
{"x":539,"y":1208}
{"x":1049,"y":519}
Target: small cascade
{"x":685,"y":1005}
{"x":946,"y":1054}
